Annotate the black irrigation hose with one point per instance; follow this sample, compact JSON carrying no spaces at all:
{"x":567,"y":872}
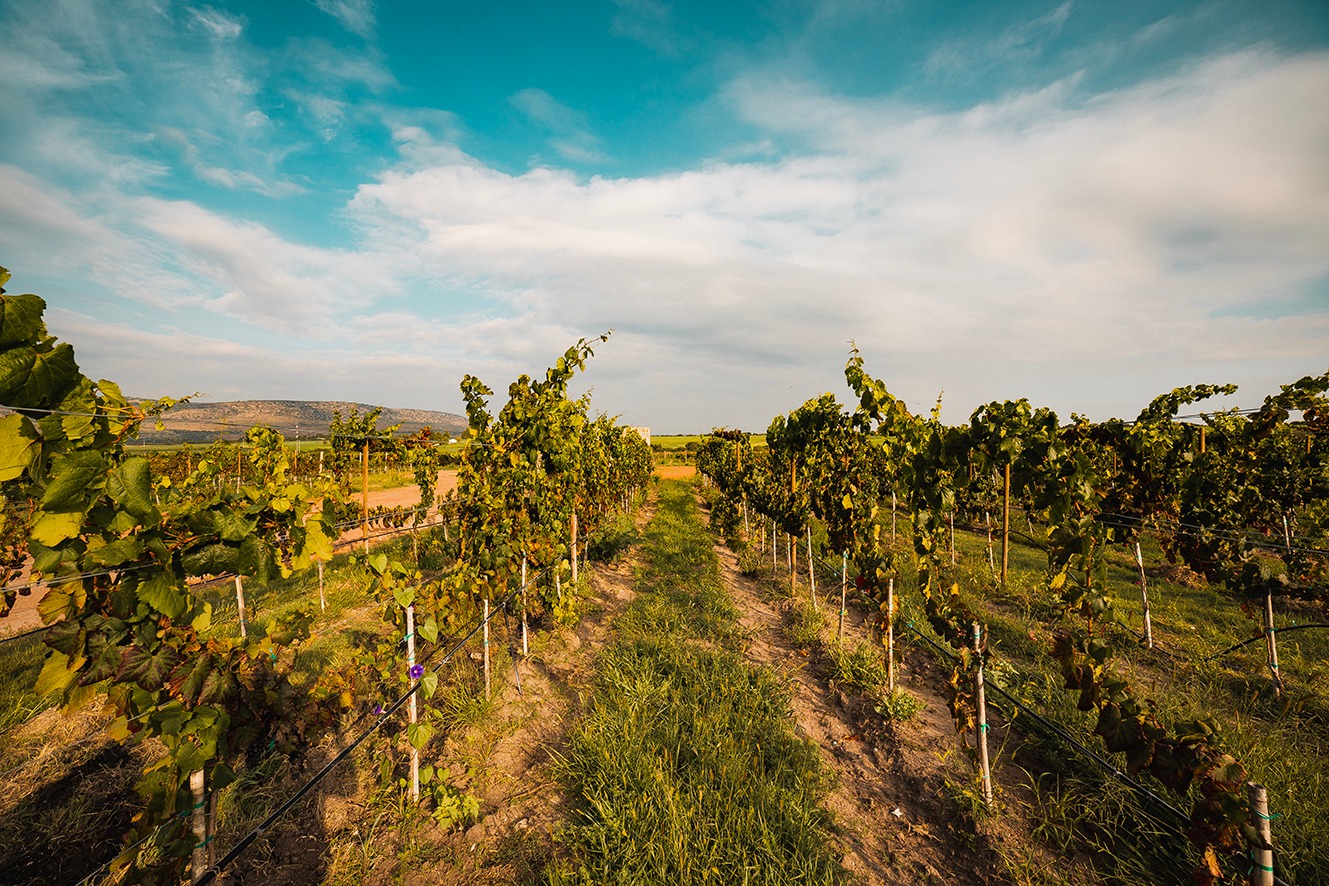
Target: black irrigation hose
{"x":1251,"y":640}
{"x":1062,"y":733}
{"x":238,"y":849}
{"x":1182,"y":819}
{"x":12,"y":638}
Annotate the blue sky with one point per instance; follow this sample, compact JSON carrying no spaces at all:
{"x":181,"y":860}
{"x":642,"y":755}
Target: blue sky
{"x":1082,"y":203}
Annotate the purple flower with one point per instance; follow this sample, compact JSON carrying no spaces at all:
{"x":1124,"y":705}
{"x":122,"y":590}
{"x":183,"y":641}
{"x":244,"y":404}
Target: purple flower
{"x":378,"y":710}
{"x":417,"y":671}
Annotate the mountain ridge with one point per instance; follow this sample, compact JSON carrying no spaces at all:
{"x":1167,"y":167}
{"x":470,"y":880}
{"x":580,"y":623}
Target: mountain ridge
{"x":295,"y":419}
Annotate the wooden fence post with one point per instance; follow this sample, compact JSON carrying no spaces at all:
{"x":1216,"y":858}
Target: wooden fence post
{"x":1271,"y":637}
{"x":1144,"y":598}
{"x":892,"y":518}
{"x":812,"y":575}
{"x":199,"y":860}
{"x":951,"y":519}
{"x":488,"y":690}
{"x":410,"y":667}
{"x":1262,"y":860}
{"x":981,"y":728}
{"x":525,"y":648}
{"x":987,"y":521}
{"x":890,"y":634}
{"x":240,"y":604}
{"x":844,"y":586}
{"x":364,"y":487}
{"x":574,"y":548}
{"x":322,"y":598}
{"x":1006,"y":527}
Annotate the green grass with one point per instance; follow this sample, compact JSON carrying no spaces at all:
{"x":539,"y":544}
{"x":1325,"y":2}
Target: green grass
{"x":685,"y":769}
{"x":803,"y":623}
{"x":20,"y":663}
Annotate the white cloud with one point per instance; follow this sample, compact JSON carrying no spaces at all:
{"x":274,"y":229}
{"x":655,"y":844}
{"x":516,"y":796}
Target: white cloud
{"x":218,"y":24}
{"x":571,"y":134}
{"x":1021,"y":247}
{"x":262,"y":278}
{"x":649,"y":22}
{"x":1085,"y":250}
{"x":356,"y":16}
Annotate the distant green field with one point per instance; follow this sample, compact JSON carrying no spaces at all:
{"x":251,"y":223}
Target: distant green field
{"x":679,"y":441}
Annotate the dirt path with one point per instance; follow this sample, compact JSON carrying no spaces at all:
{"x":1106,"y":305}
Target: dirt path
{"x":889,"y":800}
{"x":508,"y":762}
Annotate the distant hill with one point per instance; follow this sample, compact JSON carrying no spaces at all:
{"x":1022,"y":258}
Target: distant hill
{"x":303,"y":419}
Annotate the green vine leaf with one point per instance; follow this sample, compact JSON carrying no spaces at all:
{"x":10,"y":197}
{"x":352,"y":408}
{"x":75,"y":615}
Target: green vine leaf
{"x":20,"y":317}
{"x":35,"y":378}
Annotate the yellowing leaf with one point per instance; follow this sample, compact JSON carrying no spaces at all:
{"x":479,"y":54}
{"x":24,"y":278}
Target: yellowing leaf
{"x":51,"y":529}
{"x":18,"y":446}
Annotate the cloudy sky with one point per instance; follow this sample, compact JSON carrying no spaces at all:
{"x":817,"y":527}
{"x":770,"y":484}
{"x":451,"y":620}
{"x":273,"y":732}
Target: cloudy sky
{"x":1084,"y":203}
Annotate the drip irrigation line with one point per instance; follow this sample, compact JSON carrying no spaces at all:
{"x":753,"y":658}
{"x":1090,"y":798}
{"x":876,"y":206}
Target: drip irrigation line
{"x":1132,"y":521}
{"x":1261,"y":638}
{"x":34,"y":631}
{"x":69,"y":579}
{"x":1181,"y":818}
{"x":214,"y":870}
{"x":1056,"y":729}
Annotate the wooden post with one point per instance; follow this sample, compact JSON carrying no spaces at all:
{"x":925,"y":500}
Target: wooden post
{"x":981,"y":729}
{"x":844,"y":586}
{"x":987,"y":521}
{"x":364,"y":485}
{"x":789,"y":551}
{"x":320,"y":462}
{"x":746,"y":532}
{"x":890,"y":634}
{"x":1287,"y":534}
{"x":240,"y":604}
{"x":892,"y":517}
{"x":1262,"y":859}
{"x":410,"y":665}
{"x":951,"y":519}
{"x":525,"y":648}
{"x":574,"y":548}
{"x":812,"y":576}
{"x":775,"y":564}
{"x":1272,"y":639}
{"x":1006,"y":527}
{"x":488,"y":690}
{"x":238,"y":471}
{"x":322,"y":599}
{"x":1144,"y":599}
{"x":1202,"y":430}
{"x":199,"y":860}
